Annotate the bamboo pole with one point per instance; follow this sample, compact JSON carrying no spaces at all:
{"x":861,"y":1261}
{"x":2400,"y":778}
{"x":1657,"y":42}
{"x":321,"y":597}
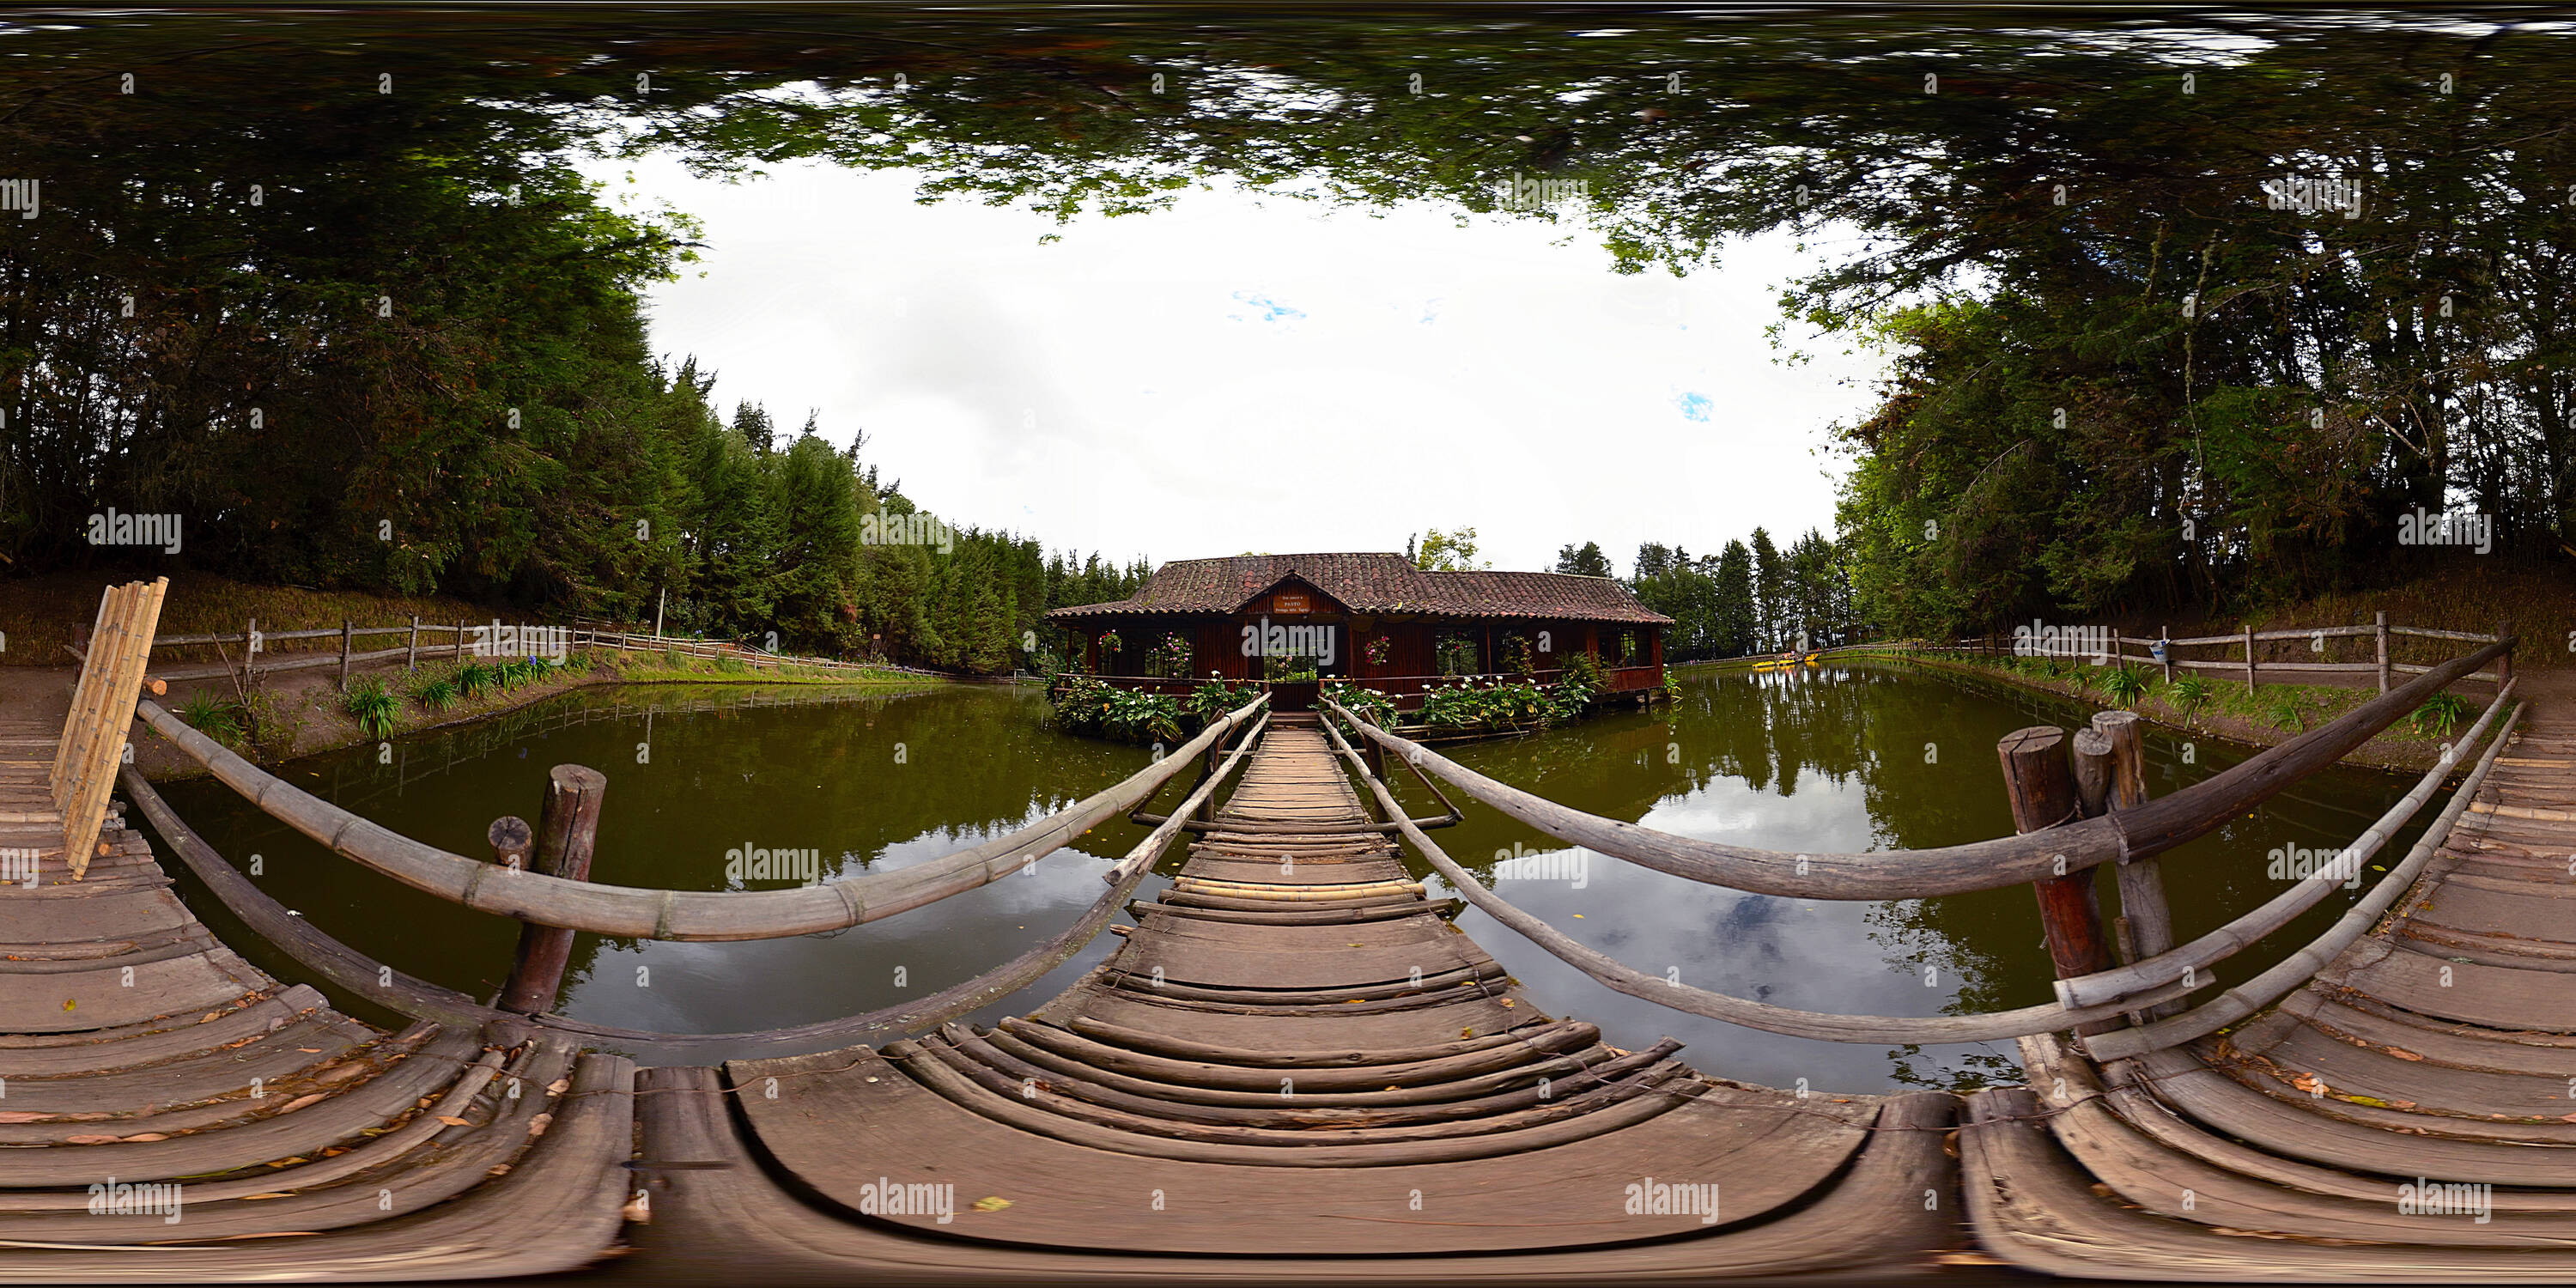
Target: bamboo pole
{"x":80,"y":692}
{"x":89,"y":700}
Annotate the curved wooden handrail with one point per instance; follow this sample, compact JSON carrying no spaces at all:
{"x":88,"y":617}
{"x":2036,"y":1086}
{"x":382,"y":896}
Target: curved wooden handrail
{"x":2148,"y":829}
{"x":1822,"y":1025}
{"x":347,"y":968}
{"x":2238,"y":1003}
{"x":676,"y":914}
{"x":2218,"y":945}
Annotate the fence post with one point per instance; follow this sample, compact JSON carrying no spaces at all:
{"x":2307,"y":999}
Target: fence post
{"x":411,"y":656}
{"x":2144,"y":913}
{"x":344,"y":654}
{"x":2379,"y":628}
{"x":456,"y":648}
{"x":511,"y":840}
{"x":2249,"y":658}
{"x":250,"y":642}
{"x":2164,"y":636}
{"x":2504,"y":660}
{"x":2041,"y":787}
{"x":568,"y":831}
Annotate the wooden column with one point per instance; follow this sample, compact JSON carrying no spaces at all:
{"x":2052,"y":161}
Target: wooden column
{"x":2379,"y":628}
{"x":2249,"y":657}
{"x":567,"y":832}
{"x":344,"y":655}
{"x":2042,"y":788}
{"x":2146,"y":919}
{"x":411,"y":658}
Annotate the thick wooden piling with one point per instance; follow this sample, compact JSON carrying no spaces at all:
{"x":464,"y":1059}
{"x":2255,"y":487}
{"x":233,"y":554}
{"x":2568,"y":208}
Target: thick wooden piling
{"x":511,"y":839}
{"x":568,"y":831}
{"x":2146,"y":919}
{"x":2042,"y":788}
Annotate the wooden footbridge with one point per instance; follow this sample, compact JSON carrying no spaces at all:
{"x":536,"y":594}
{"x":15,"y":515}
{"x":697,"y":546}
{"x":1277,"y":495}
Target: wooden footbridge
{"x":1295,"y":1065}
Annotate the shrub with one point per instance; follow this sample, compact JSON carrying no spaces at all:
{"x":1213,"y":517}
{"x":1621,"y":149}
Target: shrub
{"x":1088,"y":705}
{"x":1214,"y":697}
{"x":473,"y":678}
{"x":2440,"y":715}
{"x":373,"y":705}
{"x":1366,"y":703}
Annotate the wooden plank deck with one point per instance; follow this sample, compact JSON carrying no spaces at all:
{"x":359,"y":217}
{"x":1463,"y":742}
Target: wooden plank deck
{"x":2439,"y":1049}
{"x":1259,"y":1086}
{"x":303,"y":1145}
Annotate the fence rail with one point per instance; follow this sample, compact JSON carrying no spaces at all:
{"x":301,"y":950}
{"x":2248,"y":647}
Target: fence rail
{"x":2251,"y":665}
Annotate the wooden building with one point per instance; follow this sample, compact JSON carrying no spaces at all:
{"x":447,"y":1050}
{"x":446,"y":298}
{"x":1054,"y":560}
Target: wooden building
{"x":1373,"y":618}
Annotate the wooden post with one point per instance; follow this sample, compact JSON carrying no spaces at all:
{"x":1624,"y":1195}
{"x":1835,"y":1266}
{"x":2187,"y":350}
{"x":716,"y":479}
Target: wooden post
{"x":2144,"y":913}
{"x":2504,"y":660}
{"x":2092,"y":773}
{"x":456,"y":647}
{"x":2249,"y":658}
{"x":2041,"y":786}
{"x":411,"y":658}
{"x":250,"y":639}
{"x":568,"y":831}
{"x":2164,"y":636}
{"x":2379,"y":627}
{"x":344,"y":655}
{"x":511,"y":840}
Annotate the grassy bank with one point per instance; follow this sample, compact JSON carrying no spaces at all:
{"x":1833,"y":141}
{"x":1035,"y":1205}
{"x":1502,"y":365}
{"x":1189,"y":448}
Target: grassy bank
{"x":2263,"y":717}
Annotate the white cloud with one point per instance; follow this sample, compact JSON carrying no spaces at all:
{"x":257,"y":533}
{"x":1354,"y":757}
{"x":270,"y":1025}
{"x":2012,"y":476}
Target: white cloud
{"x":1250,"y":373}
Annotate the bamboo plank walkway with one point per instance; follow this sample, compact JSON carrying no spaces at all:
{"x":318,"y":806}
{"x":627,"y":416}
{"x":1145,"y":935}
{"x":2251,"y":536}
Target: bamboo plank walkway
{"x":1292,"y":1056}
{"x":2439,"y":1050}
{"x":257,"y":1133}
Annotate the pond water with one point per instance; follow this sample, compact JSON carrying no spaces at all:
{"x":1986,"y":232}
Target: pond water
{"x":1833,"y":759}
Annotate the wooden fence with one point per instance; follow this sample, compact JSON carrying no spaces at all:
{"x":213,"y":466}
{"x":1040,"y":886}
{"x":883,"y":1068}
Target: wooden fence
{"x":457,"y":644}
{"x":2248,"y":663}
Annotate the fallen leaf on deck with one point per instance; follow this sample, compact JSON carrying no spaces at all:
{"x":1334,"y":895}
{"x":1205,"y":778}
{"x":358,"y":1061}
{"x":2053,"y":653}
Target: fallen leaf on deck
{"x":991,"y":1203}
{"x":91,"y":1140}
{"x":149,"y":1135}
{"x":453,"y":1121}
{"x":22,"y":1116}
{"x":537,"y":1125}
{"x":301,"y":1101}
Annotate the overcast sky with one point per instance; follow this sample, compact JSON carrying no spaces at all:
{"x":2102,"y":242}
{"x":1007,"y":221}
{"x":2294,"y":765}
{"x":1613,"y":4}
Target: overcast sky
{"x":1247,"y":373}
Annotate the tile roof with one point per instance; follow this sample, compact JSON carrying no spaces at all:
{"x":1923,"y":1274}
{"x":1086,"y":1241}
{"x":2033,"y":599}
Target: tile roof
{"x":1374,"y":583}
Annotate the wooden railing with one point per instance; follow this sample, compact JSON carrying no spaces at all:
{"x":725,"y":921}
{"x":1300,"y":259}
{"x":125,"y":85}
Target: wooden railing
{"x":677,"y":914}
{"x":2075,"y":814}
{"x":457,"y":646}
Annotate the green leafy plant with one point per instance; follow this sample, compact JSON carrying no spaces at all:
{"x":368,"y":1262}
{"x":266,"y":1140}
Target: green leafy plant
{"x":1366,"y":703}
{"x":1171,"y":658}
{"x":2123,"y":684}
{"x":474,"y":678}
{"x":2187,"y":695}
{"x":2440,"y":715}
{"x":374,"y":706}
{"x":1214,"y":697}
{"x":1089,"y":705}
{"x":2286,"y":711}
{"x":213,"y":717}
